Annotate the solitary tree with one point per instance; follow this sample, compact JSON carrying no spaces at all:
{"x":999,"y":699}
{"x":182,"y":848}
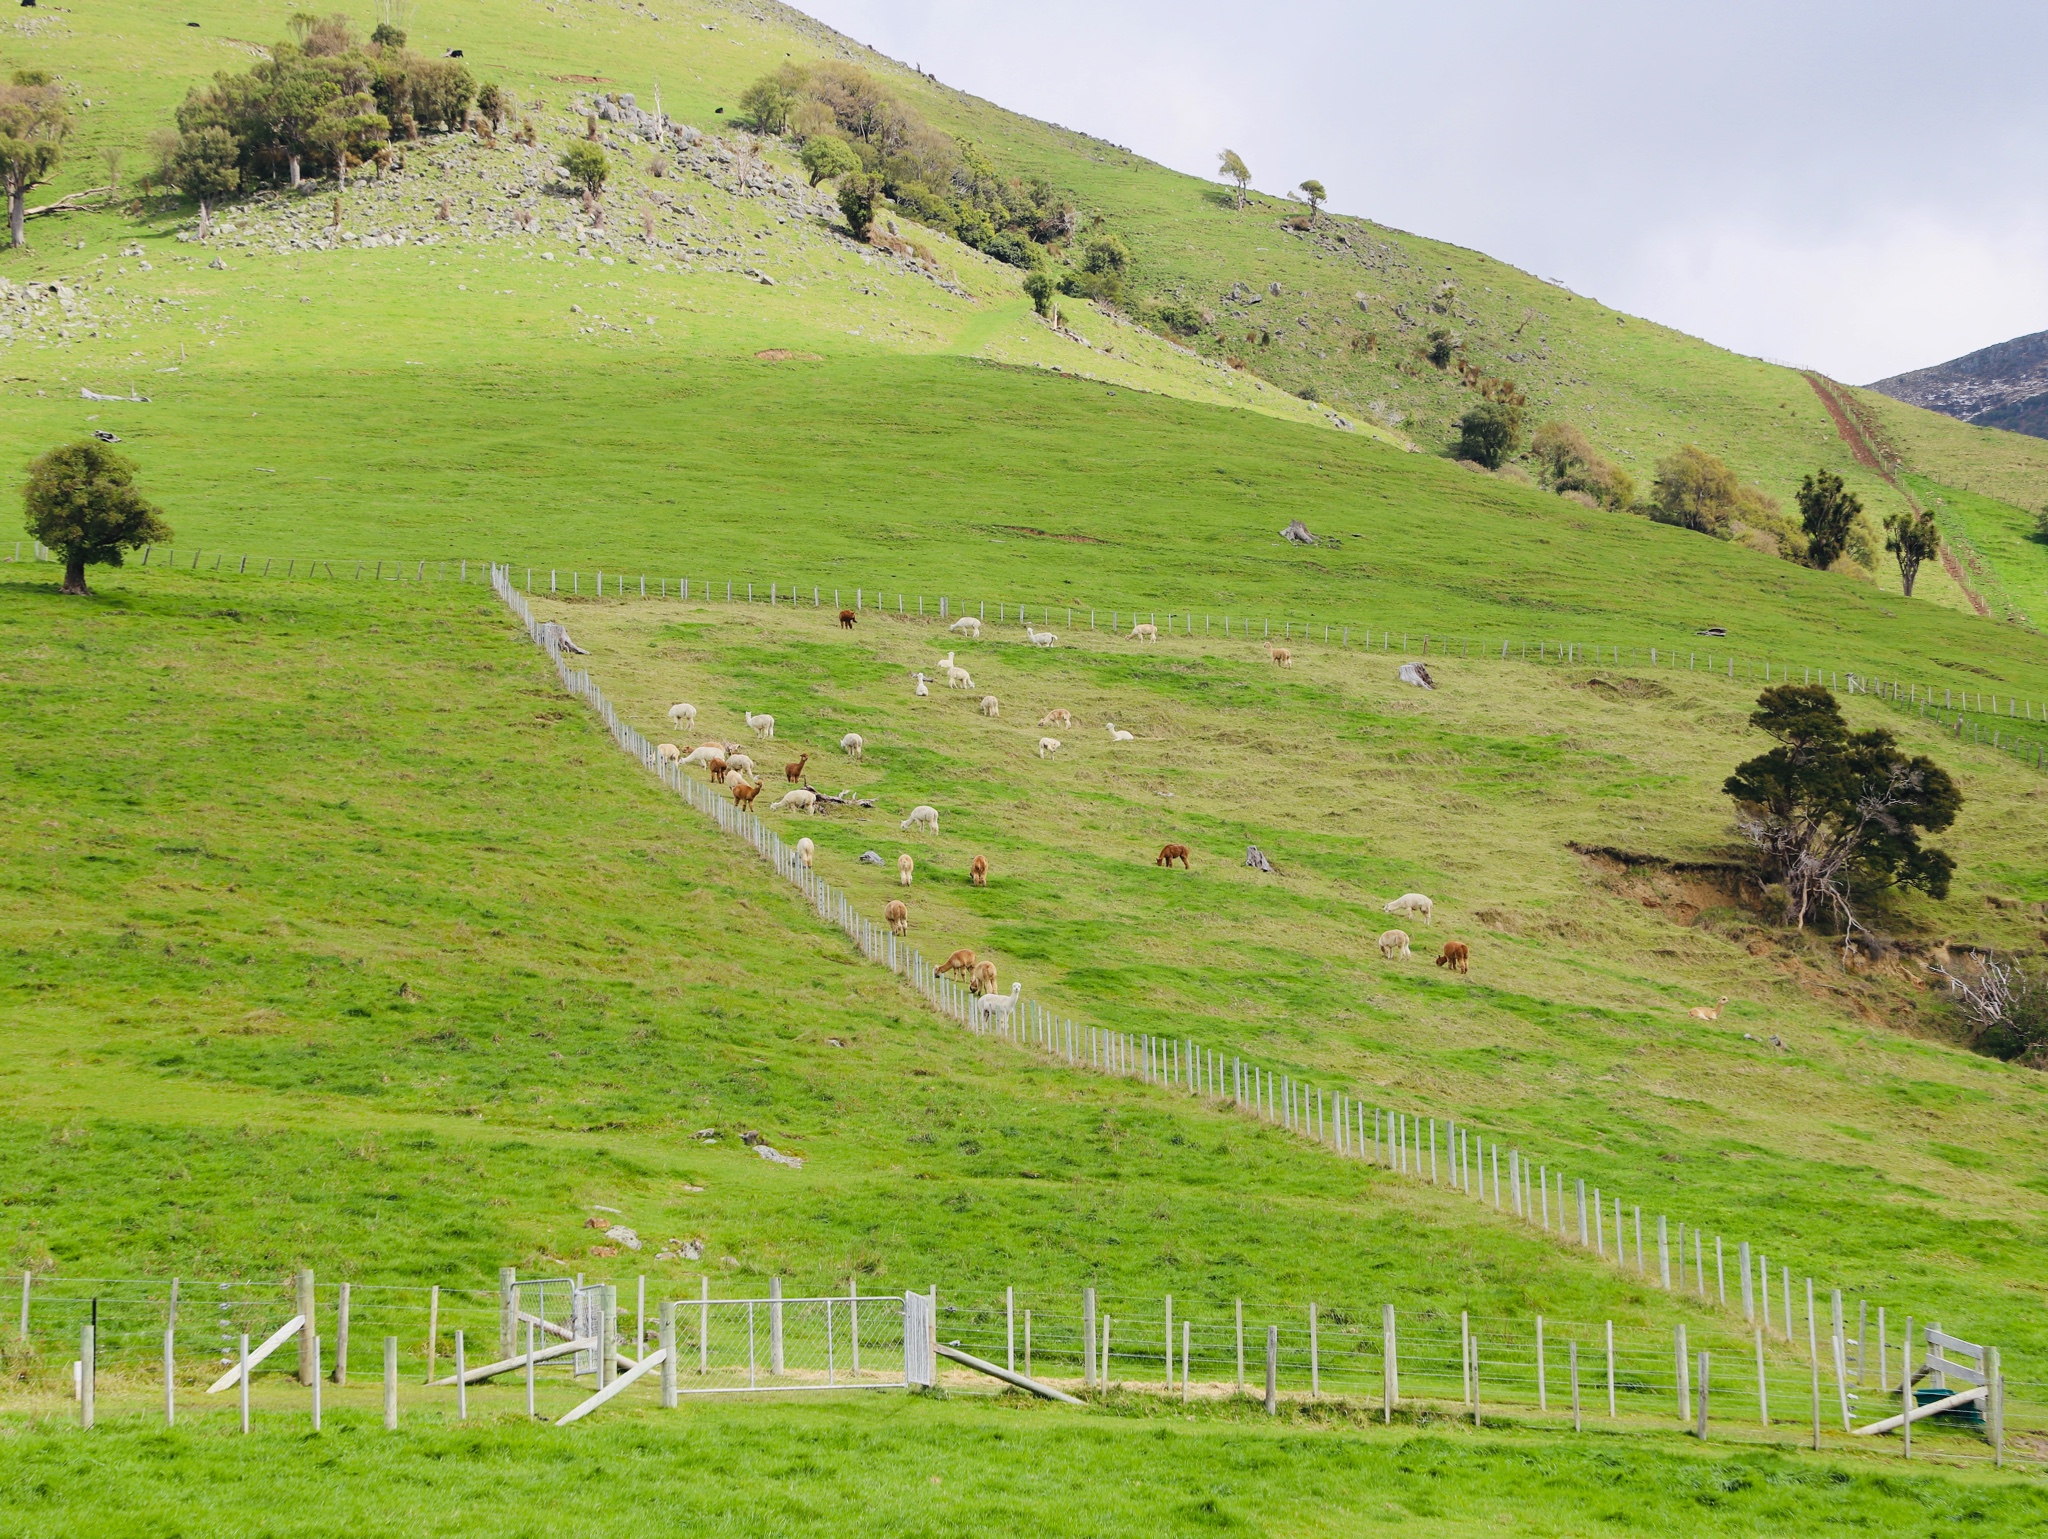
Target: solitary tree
{"x":1231,"y":165}
{"x":588,"y":166}
{"x":1835,"y":814}
{"x":82,"y":502}
{"x":1696,"y":491}
{"x":203,"y":167}
{"x":1912,"y":538}
{"x":857,"y":193}
{"x":827,"y":157}
{"x":1490,"y":433}
{"x":1317,"y":196}
{"x":1040,"y":286}
{"x":33,"y":127}
{"x":1827,"y":512}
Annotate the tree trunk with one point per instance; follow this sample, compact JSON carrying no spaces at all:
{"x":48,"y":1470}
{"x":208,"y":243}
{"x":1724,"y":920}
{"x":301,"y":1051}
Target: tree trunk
{"x":74,"y":575}
{"x":293,"y":162}
{"x":1906,"y":575}
{"x":17,"y":203}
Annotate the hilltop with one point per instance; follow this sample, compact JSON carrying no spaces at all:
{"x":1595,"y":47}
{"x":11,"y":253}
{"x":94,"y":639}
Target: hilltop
{"x":2001,"y":386}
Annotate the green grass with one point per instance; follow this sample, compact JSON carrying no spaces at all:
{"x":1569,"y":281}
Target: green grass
{"x":2003,"y":557}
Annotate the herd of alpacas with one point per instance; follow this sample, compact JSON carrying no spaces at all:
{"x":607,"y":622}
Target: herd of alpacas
{"x":729,"y":765}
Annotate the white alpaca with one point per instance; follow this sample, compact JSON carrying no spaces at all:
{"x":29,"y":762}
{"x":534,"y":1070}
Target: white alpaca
{"x":1056,"y":717}
{"x":921,"y":690}
{"x":806,"y":852}
{"x":991,"y":706}
{"x":1143,"y":633}
{"x":685,"y":714}
{"x":853,"y":743}
{"x":956,"y":678}
{"x":904,"y":866}
{"x":1047,"y":747}
{"x":994,"y":1008}
{"x":1411,"y":904}
{"x":921,"y":817}
{"x":764,"y":726}
{"x":705,"y":754}
{"x":740,"y":762}
{"x":668,"y":753}
{"x":1039,"y":638}
{"x":802,"y":799}
{"x":1117,"y":734}
{"x":1394,"y":943}
{"x":967,"y":625}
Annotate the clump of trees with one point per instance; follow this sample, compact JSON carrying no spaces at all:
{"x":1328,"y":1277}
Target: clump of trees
{"x":1837,"y":816}
{"x":322,"y":96}
{"x":850,"y":126}
{"x":82,"y":502}
{"x":34,"y":124}
{"x":1568,"y":464}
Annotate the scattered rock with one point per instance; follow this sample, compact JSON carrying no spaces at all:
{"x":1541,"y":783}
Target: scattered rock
{"x":1256,"y":858}
{"x":1418,"y":675}
{"x":776,"y":1156}
{"x":1297,"y":533}
{"x":870,"y":858}
{"x":681,"y":1250}
{"x":624,"y":1236}
{"x":218,"y":265}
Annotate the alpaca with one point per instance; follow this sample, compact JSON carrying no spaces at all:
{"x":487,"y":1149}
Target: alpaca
{"x":739,"y":764}
{"x":1168,"y":854}
{"x":1709,"y":1012}
{"x":983,"y":979}
{"x":802,"y":799}
{"x":764,"y":726}
{"x":1457,"y":956}
{"x":743,"y":793}
{"x":846,"y":619}
{"x":852,"y":744}
{"x":795,"y":772}
{"x":998,"y":1008}
{"x":921,"y":689}
{"x":717,"y":767}
{"x":956,"y":678}
{"x":1047,"y":747}
{"x":1411,"y":904}
{"x":1143,"y":633}
{"x":684,"y":715}
{"x":921,"y":817}
{"x":668,"y":753}
{"x":991,"y":706}
{"x":703,"y":755}
{"x":977,"y":874}
{"x":1394,"y":943}
{"x":1040,"y":638}
{"x":967,"y":625}
{"x":806,"y":851}
{"x":1280,"y":655}
{"x":1117,"y":734}
{"x":904,"y":866}
{"x":897,"y":913}
{"x":961,"y":961}
{"x":1057,"y":717}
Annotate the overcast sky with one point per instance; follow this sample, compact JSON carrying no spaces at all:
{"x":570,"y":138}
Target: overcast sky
{"x":1856,"y":188}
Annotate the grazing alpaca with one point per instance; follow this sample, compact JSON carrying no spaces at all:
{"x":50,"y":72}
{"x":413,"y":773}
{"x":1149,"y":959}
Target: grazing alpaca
{"x":703,"y":755}
{"x":1168,"y":854}
{"x":1455,"y":955}
{"x":795,"y":772}
{"x":978,"y":872}
{"x":1047,"y":747}
{"x":921,"y":685}
{"x":853,"y":743}
{"x":1280,"y":655}
{"x":1411,"y":904}
{"x":683,"y":714}
{"x":967,"y":625}
{"x":991,"y":706}
{"x":802,"y":799}
{"x":1117,"y":734}
{"x":668,"y":753}
{"x":764,"y":726}
{"x":1143,"y":633}
{"x":983,"y":979}
{"x":904,"y":866}
{"x":961,"y":961}
{"x":743,"y":794}
{"x":1040,"y":638}
{"x":718,"y":767}
{"x":738,"y":764}
{"x":921,"y":817}
{"x":806,"y":852}
{"x":846,"y":619}
{"x":1709,"y":1012}
{"x":1394,"y":943}
{"x":1057,"y":717}
{"x":898,"y":915}
{"x":994,"y":1008}
{"x":956,"y":678}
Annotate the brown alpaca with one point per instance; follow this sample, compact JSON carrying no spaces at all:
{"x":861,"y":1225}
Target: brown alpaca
{"x":846,"y":619}
{"x":1171,"y":853}
{"x":1280,"y":655}
{"x":795,"y":771}
{"x":743,"y":794}
{"x":718,"y":768}
{"x":961,"y":961}
{"x":898,"y":915}
{"x":1709,"y":1012}
{"x":1455,"y":955}
{"x":983,"y":979}
{"x":978,"y":872}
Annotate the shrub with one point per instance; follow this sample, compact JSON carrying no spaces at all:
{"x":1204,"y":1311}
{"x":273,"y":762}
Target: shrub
{"x":1041,"y":288}
{"x":1442,"y":344}
{"x":588,"y":166}
{"x":1180,"y":318}
{"x":1489,"y":433}
{"x":492,"y":102}
{"x":766,"y":105}
{"x":857,"y":194}
{"x":826,"y":158}
{"x":1912,"y":538}
{"x":1696,"y":491}
{"x":387,"y":36}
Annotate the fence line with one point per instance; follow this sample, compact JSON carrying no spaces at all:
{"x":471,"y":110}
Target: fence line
{"x":1470,"y":1161}
{"x":1957,"y":709}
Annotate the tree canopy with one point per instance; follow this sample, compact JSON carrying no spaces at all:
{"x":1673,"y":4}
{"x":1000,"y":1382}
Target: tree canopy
{"x":588,"y":166}
{"x":1835,"y":815}
{"x":827,"y":158}
{"x":1828,"y":511}
{"x":203,"y":167}
{"x":1911,"y":538}
{"x":1230,"y":165}
{"x":1316,"y":194}
{"x":81,"y":501}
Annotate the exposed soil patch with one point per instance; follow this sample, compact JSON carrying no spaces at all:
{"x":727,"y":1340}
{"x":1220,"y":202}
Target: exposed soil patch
{"x":1625,"y":689}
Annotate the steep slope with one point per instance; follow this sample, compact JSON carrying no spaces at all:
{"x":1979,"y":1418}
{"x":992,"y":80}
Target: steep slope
{"x":2000,"y":386}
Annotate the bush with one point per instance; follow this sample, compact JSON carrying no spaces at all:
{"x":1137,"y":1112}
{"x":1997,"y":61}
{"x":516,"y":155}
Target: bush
{"x":1039,"y":285}
{"x":1695,"y":491}
{"x":588,"y":166}
{"x":1490,"y":433}
{"x":766,"y":105}
{"x":1441,"y":346}
{"x":492,"y":102}
{"x":857,"y":194}
{"x":1180,"y":318}
{"x":826,"y":159}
